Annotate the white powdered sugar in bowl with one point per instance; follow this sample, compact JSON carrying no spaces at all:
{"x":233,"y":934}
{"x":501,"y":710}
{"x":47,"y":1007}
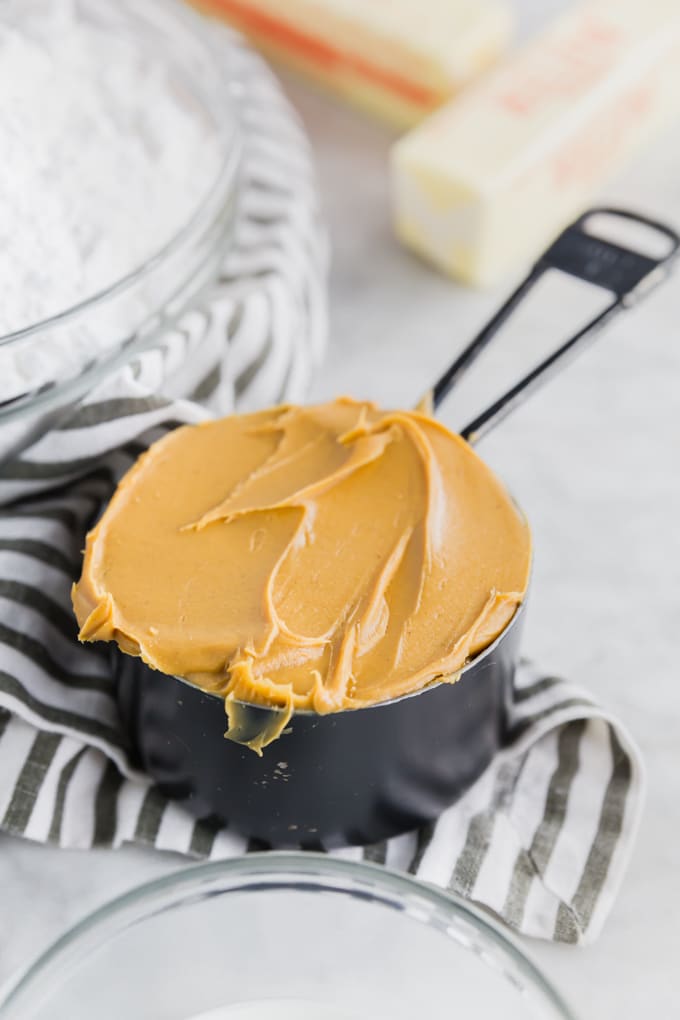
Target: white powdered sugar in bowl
{"x":98,"y":169}
{"x":120,"y":152}
{"x":160,"y":233}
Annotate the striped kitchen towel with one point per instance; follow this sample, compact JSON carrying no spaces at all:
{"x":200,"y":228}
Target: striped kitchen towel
{"x":542,"y":838}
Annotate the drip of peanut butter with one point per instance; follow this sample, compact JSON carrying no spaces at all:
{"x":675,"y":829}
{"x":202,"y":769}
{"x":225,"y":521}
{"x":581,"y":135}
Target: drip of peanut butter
{"x":306,"y":558}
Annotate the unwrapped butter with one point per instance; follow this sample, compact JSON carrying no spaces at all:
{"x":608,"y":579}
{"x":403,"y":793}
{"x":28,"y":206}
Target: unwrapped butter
{"x":398,"y":59}
{"x":485,"y":183}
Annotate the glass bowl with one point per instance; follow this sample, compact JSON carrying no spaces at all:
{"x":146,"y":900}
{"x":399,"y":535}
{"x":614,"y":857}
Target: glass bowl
{"x":280,"y":935}
{"x":49,"y":364}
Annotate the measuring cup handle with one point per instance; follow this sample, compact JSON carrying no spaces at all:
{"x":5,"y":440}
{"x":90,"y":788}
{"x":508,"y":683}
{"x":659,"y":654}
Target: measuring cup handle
{"x":627,"y":274}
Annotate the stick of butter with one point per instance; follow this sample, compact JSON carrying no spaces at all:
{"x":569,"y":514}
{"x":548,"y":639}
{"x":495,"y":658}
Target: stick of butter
{"x":487,"y":181}
{"x":398,"y":59}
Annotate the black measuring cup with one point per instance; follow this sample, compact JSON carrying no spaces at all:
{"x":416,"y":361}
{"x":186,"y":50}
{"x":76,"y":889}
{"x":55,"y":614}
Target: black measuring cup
{"x":361,"y":775}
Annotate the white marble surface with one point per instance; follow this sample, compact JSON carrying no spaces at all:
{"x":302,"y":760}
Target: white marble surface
{"x":594,"y":460}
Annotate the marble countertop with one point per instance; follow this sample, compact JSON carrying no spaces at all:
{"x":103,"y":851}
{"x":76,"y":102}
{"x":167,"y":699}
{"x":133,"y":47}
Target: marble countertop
{"x":594,"y":459}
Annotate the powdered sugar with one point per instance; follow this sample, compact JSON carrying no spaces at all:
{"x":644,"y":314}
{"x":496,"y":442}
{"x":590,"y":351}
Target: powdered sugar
{"x":98,"y":165}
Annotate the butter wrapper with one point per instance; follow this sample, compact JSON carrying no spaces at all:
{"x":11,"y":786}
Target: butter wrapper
{"x":484,"y":184}
{"x":398,"y":59}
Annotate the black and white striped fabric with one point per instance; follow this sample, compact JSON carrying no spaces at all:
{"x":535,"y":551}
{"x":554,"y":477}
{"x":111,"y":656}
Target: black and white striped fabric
{"x":543,"y":837}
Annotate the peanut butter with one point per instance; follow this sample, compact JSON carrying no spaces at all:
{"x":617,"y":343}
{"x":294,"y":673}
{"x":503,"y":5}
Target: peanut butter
{"x":316,"y":558}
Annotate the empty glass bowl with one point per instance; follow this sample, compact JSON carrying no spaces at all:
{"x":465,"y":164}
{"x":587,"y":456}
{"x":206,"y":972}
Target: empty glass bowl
{"x":303,"y":936}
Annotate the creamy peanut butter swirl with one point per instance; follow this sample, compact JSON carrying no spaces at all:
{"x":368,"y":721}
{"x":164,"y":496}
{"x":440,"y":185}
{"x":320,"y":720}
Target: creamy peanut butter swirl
{"x":317,"y":558}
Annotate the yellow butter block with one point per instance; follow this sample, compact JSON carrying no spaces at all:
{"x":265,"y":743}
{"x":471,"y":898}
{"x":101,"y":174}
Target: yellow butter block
{"x":486,"y":182}
{"x":399,"y":59}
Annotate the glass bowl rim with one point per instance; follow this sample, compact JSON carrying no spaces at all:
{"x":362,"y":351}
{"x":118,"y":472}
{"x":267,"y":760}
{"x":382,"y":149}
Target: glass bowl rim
{"x":115,"y":916}
{"x":176,"y":15}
